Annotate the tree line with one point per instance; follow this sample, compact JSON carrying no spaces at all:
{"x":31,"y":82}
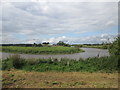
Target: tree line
{"x":60,"y":43}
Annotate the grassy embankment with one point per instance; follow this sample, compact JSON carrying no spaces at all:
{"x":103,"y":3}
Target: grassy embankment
{"x":102,"y":64}
{"x":92,"y":72}
{"x":41,"y":50}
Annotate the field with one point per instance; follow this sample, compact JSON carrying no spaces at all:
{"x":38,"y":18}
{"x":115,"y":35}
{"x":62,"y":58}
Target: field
{"x":41,"y":50}
{"x":25,"y":79}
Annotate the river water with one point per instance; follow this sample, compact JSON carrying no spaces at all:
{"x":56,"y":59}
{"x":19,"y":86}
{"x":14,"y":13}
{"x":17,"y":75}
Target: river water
{"x":89,"y":52}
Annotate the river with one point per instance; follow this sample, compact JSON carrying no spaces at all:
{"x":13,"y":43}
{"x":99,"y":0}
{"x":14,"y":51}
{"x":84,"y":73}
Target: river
{"x":89,"y":52}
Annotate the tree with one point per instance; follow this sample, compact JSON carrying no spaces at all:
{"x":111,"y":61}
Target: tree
{"x":34,"y":44}
{"x":114,"y":47}
{"x":39,"y":45}
{"x":61,"y":43}
{"x":45,"y":43}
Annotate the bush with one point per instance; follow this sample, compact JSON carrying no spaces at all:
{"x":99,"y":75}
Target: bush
{"x":17,"y":61}
{"x":7,"y":64}
{"x":114,"y":48}
{"x":13,"y":62}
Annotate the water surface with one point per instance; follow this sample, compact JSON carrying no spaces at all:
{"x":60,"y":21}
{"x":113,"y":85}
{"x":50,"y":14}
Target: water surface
{"x":89,"y":52}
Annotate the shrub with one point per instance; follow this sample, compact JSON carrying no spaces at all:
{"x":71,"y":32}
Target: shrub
{"x":17,"y":61}
{"x":7,"y":64}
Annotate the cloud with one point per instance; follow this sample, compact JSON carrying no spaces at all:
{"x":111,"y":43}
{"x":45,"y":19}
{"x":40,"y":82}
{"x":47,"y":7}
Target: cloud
{"x":70,"y":40}
{"x":56,"y":40}
{"x":36,"y":20}
{"x":91,"y":39}
{"x":60,"y":1}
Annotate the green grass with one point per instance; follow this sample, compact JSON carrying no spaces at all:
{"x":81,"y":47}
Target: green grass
{"x":41,"y":50}
{"x":102,"y":64}
{"x":97,"y":46}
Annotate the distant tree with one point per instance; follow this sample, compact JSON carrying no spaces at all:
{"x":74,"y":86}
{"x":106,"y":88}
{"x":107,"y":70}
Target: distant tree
{"x":45,"y":43}
{"x":39,"y":45}
{"x":34,"y":45}
{"x":61,"y":43}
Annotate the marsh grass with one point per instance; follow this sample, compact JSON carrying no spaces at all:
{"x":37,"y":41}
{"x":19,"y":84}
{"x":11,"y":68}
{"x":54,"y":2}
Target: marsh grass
{"x":102,"y":64}
{"x":42,"y":50}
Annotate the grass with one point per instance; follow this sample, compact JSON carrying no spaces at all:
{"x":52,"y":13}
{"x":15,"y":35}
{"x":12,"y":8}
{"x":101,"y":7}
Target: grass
{"x":41,"y":50}
{"x":102,"y":64}
{"x":25,"y":79}
{"x":96,"y":46}
{"x":94,"y":72}
{"x":51,"y":73}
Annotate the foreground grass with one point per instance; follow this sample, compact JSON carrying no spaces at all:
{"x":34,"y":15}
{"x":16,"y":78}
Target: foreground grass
{"x":102,"y":64}
{"x":52,"y":73}
{"x":41,"y":50}
{"x":25,"y":79}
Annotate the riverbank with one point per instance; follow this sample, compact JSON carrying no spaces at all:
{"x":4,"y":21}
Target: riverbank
{"x":99,"y":46}
{"x":41,"y":50}
{"x":96,"y":46}
{"x":25,"y":79}
{"x":95,"y":64}
{"x":89,"y":52}
{"x":51,"y":73}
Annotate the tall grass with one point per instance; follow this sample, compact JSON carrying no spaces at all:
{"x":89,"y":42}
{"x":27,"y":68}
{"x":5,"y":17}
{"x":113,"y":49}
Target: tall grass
{"x":41,"y":50}
{"x":102,"y":64}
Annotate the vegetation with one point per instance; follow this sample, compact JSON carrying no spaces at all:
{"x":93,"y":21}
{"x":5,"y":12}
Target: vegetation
{"x":100,"y":46}
{"x":106,"y":46}
{"x":61,"y":43}
{"x":26,"y":79}
{"x":102,"y":64}
{"x":24,"y":45}
{"x":114,"y":48}
{"x":64,"y":73}
{"x":41,"y":50}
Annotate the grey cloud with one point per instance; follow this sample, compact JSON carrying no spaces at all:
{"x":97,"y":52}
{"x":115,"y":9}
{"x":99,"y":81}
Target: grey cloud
{"x":33,"y":18}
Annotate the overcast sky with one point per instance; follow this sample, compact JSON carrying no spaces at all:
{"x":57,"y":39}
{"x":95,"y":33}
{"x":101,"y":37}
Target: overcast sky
{"x":71,"y":22}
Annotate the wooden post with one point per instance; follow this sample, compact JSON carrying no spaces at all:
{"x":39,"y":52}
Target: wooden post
{"x":68,"y":63}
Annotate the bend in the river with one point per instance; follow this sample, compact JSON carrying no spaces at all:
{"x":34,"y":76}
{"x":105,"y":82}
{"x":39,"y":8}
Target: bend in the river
{"x":89,"y":52}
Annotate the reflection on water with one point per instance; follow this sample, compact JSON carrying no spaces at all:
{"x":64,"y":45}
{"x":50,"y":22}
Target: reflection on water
{"x":89,"y":52}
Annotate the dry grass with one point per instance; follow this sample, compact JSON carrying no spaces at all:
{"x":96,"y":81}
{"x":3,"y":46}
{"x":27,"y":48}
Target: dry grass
{"x":24,"y":79}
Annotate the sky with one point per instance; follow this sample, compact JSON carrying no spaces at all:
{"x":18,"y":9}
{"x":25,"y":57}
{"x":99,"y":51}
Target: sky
{"x":71,"y":22}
